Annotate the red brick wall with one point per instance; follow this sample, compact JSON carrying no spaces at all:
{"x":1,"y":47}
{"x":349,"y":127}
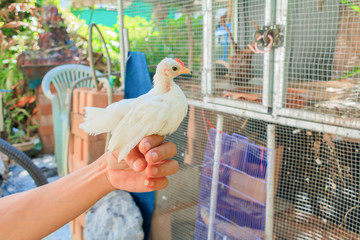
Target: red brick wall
{"x":45,"y":119}
{"x":83,"y":148}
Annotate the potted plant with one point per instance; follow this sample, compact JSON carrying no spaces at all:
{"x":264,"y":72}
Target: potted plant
{"x":21,"y":126}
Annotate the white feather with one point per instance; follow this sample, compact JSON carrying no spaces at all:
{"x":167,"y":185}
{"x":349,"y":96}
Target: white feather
{"x":160,"y":111}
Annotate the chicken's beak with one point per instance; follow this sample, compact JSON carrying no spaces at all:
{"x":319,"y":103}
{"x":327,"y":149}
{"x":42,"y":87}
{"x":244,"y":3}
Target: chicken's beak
{"x":184,"y":71}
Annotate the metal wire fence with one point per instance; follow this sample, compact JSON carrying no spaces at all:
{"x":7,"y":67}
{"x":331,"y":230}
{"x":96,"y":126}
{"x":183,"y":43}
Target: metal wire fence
{"x":227,"y":176}
{"x":169,"y":29}
{"x":237,"y":70}
{"x":322,"y":58}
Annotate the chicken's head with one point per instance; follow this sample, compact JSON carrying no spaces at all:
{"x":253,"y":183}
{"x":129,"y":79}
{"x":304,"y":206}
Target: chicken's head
{"x":171,"y":68}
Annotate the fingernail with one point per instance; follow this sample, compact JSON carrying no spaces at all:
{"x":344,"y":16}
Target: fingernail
{"x":154,"y":156}
{"x":147,"y":146}
{"x":137,"y":164}
{"x":154,"y":170}
{"x":148,"y":183}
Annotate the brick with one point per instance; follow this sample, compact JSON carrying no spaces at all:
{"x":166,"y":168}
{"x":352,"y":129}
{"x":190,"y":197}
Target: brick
{"x":97,"y":99}
{"x":75,"y":101}
{"x":93,"y":150}
{"x":40,"y":91}
{"x":118,"y":95}
{"x":71,"y":143}
{"x":78,"y":148}
{"x":75,"y":163}
{"x":102,"y":136}
{"x":72,"y":226}
{"x":76,"y":120}
{"x":45,"y":109}
{"x":48,"y":148}
{"x":79,"y":99}
{"x":81,"y":219}
{"x":41,"y":99}
{"x":46,"y":120}
{"x":78,"y":231}
{"x":47,"y":139}
{"x":46,"y":130}
{"x":100,"y":98}
{"x":52,"y":88}
{"x":82,"y":100}
{"x":71,"y":163}
{"x":77,"y":227}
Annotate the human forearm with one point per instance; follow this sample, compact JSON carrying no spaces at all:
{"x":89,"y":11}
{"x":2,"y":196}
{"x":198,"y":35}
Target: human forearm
{"x":36,"y":213}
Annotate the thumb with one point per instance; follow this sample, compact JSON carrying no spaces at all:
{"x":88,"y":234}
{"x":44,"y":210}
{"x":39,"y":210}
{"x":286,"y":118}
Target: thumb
{"x":134,"y":160}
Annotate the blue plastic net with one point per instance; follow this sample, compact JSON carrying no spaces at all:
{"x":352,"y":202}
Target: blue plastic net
{"x":241,"y":190}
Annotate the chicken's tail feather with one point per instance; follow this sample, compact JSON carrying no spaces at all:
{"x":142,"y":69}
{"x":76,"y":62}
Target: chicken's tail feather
{"x":95,"y":121}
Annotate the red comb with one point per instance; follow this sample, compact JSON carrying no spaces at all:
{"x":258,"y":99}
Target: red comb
{"x":179,"y":61}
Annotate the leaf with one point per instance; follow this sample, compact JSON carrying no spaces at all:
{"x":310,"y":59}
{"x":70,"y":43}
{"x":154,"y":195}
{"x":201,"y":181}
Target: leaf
{"x":4,"y":14}
{"x":351,"y":5}
{"x":15,"y":24}
{"x":25,"y":100}
{"x":352,"y":72}
{"x":34,"y":112}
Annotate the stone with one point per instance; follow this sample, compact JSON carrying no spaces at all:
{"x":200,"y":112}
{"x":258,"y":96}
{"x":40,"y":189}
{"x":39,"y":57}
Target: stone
{"x":114,"y":217}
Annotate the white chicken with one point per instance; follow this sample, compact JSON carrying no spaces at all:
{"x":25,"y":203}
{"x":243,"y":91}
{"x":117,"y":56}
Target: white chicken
{"x":160,"y":111}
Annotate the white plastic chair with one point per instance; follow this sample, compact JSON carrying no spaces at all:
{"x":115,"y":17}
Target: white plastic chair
{"x":65,"y":78}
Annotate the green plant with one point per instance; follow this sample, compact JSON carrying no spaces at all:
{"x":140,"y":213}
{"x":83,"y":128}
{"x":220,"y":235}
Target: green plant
{"x":18,"y":32}
{"x":20,"y":109}
{"x":158,"y":42}
{"x":79,"y":32}
{"x":149,"y":36}
{"x":19,"y":28}
{"x":351,"y":5}
{"x":352,"y":72}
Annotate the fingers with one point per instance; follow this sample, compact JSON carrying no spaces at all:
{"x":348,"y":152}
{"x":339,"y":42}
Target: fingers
{"x":150,"y":142}
{"x":151,"y":150}
{"x":163,"y":169}
{"x":156,"y":183}
{"x":162,"y":152}
{"x":157,"y":174}
{"x":146,"y":166}
{"x":134,"y":160}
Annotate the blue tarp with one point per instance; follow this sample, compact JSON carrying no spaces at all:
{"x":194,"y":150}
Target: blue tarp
{"x":138,"y":82}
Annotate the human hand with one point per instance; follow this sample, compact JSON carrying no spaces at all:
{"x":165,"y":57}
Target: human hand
{"x":145,"y":168}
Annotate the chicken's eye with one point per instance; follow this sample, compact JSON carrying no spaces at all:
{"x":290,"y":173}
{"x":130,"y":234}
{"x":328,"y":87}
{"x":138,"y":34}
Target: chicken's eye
{"x":174,"y":68}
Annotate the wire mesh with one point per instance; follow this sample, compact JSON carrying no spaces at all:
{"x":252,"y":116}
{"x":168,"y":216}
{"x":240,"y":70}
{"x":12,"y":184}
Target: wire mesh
{"x":318,"y":192}
{"x":240,"y":211}
{"x":323,"y":57}
{"x":184,"y":204}
{"x":316,"y":173}
{"x":237,"y":70}
{"x":168,"y":29}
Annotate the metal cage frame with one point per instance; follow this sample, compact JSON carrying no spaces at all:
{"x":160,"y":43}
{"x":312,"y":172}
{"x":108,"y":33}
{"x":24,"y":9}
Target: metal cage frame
{"x":271,"y":109}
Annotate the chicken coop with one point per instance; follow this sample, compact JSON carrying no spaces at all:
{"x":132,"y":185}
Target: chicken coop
{"x":270,"y":146}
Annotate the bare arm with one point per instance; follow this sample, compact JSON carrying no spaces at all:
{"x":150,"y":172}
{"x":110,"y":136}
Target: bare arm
{"x":38,"y":212}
